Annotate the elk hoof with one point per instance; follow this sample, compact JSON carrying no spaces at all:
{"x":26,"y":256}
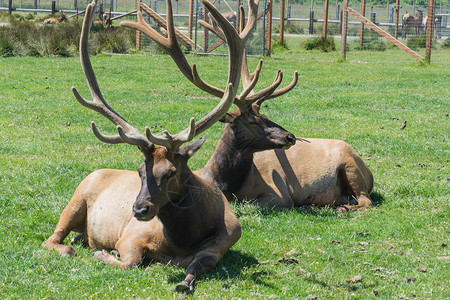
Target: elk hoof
{"x":341,"y":209}
{"x":184,"y":286}
{"x":100,"y":254}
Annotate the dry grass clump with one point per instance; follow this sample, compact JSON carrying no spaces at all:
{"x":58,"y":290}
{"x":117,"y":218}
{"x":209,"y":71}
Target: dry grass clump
{"x":24,"y":38}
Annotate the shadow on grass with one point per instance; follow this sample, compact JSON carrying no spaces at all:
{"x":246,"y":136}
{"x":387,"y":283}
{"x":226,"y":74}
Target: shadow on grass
{"x":377,"y":199}
{"x":231,"y":266}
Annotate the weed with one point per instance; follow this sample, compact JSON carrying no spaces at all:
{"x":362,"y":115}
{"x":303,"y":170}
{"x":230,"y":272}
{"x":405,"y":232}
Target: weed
{"x":318,"y":43}
{"x":416,"y":41}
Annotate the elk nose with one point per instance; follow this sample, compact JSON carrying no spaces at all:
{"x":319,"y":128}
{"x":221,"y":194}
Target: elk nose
{"x":291,"y":139}
{"x":141,"y":212}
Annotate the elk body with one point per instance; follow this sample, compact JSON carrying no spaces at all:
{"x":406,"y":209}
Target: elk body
{"x":164,"y":212}
{"x":104,"y":22}
{"x":311,"y":172}
{"x":411,"y":21}
{"x":316,"y":172}
{"x":54,"y":21}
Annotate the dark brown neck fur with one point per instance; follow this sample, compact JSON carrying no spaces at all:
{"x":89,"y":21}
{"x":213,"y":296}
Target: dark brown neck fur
{"x":231,"y":161}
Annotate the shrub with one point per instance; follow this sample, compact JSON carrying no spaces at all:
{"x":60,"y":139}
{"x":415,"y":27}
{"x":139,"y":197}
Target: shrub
{"x":6,"y":45}
{"x":119,"y":40}
{"x":29,"y":38}
{"x":416,"y":41}
{"x":317,"y":43}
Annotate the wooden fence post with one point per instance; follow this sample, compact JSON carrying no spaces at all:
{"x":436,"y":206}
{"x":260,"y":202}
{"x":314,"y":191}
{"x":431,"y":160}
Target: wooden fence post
{"x":325,"y":21}
{"x":191,"y":18}
{"x":281,"y":22}
{"x":9,"y":6}
{"x":363,"y":13}
{"x":205,"y":31}
{"x":138,"y":33}
{"x":269,"y":28}
{"x":344,"y":30}
{"x":397,"y":11}
{"x":430,"y":24}
{"x":311,"y":21}
{"x":53,"y":8}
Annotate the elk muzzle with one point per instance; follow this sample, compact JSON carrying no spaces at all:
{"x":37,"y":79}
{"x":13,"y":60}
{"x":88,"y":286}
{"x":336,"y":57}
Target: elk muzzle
{"x":290,"y":138}
{"x":145,"y":210}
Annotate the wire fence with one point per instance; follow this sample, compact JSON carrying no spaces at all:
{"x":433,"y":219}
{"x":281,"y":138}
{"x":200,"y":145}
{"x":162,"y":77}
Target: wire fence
{"x":300,"y":19}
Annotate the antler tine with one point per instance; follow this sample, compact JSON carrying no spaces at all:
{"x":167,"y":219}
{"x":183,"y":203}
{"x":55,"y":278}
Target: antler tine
{"x":127,"y":133}
{"x":251,"y":21}
{"x":249,"y":80}
{"x":256,"y":103}
{"x":213,"y":27}
{"x":267,"y":91}
{"x":286,"y":89}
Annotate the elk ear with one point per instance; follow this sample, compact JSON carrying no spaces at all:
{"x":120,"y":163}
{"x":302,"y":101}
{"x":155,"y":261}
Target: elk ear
{"x":228,"y":118}
{"x":189,"y":150}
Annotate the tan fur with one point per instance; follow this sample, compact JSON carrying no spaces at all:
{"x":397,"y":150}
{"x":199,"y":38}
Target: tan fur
{"x":54,"y":21}
{"x":312,"y":172}
{"x":411,"y":21}
{"x":101,"y":207}
{"x":163,"y":212}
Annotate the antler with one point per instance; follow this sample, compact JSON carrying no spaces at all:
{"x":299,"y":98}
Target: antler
{"x":248,"y":98}
{"x":235,"y":41}
{"x":126,"y":132}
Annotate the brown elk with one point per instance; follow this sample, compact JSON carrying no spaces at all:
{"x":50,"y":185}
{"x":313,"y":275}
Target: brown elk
{"x":54,"y":21}
{"x":104,"y":22}
{"x":179,"y":217}
{"x":411,"y":21}
{"x":317,"y":172}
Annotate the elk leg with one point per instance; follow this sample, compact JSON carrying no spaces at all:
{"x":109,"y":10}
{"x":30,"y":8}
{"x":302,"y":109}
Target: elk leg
{"x":203,"y":262}
{"x":131,"y":252}
{"x":357,"y":182}
{"x":73,"y":218}
{"x":364,"y":201}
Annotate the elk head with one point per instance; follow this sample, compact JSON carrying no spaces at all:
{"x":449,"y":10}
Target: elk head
{"x":252,"y":129}
{"x":164,"y":171}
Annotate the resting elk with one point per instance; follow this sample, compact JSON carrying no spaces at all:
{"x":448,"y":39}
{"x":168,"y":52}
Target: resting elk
{"x":316,"y":172}
{"x":411,"y":21}
{"x":54,"y":21}
{"x":164,"y":212}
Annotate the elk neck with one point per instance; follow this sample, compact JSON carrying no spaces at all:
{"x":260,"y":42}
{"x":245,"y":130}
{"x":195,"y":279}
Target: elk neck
{"x":231,"y":161}
{"x":187,"y":218}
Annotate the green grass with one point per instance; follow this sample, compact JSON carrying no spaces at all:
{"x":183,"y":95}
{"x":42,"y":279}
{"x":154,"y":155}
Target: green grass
{"x":47,"y":148}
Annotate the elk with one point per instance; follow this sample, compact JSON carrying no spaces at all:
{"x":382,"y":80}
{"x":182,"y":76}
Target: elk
{"x":317,"y":172}
{"x":54,"y":21}
{"x":104,"y":22}
{"x":246,"y":130}
{"x":164,"y":212}
{"x":411,"y":21}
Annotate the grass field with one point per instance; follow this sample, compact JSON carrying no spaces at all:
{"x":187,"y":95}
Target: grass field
{"x":398,"y":248}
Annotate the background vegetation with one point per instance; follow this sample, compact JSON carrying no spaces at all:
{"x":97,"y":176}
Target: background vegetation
{"x":396,"y":250}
